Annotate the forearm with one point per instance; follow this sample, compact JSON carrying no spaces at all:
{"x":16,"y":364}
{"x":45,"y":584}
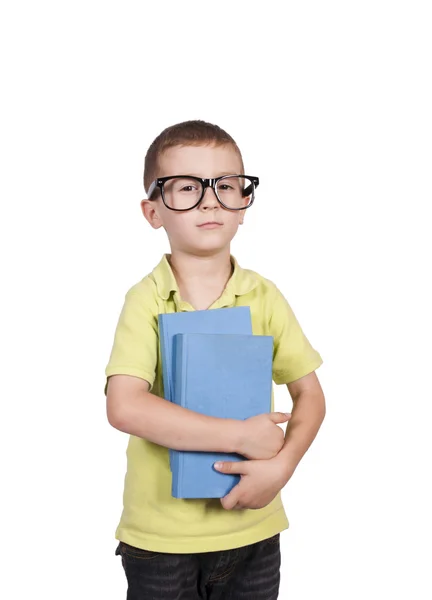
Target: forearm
{"x":150,"y":417}
{"x":307,"y":416}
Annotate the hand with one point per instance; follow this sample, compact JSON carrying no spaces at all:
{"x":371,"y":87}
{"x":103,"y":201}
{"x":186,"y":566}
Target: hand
{"x":260,"y":482}
{"x":261,"y":438}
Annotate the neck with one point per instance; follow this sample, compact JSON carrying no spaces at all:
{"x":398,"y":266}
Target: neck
{"x":190,"y":269}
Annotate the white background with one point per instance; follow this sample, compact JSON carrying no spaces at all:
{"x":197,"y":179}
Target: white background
{"x":330,"y":103}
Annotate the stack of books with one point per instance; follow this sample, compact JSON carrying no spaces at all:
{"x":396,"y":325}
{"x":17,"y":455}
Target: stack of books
{"x":214,"y":365}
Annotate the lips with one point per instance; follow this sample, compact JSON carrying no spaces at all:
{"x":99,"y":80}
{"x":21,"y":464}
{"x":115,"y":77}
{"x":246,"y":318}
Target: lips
{"x":210,"y":225}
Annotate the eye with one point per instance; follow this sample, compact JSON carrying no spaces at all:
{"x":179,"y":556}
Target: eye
{"x":187,"y":188}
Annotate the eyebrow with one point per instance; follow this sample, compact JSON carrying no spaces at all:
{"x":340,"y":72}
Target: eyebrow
{"x":218,"y":175}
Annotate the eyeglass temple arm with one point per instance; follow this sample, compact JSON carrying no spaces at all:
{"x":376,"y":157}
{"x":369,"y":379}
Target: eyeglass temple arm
{"x":248,"y":191}
{"x":151,"y":189}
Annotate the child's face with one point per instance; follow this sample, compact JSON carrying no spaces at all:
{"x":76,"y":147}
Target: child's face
{"x":183,"y":228}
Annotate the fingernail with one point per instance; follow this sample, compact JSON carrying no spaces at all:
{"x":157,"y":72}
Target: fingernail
{"x":218,"y":465}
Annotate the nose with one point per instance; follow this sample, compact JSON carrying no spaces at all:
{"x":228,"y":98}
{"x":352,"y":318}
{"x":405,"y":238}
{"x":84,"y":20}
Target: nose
{"x":209,"y":200}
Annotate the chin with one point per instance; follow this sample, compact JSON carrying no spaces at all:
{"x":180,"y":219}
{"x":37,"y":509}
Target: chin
{"x":204,"y":245}
{"x":207,"y":249}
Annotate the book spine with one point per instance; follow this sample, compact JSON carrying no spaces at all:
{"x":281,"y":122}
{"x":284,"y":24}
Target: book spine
{"x":174,"y":457}
{"x":166,"y":357}
{"x":179,"y":397}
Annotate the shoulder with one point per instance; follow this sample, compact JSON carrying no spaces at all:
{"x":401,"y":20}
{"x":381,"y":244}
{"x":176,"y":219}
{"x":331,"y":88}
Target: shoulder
{"x":146,"y":287}
{"x":263,"y":287}
{"x":270,"y":302}
{"x":144,"y":294}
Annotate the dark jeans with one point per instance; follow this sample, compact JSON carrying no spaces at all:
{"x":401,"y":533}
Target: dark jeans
{"x":248,"y":573}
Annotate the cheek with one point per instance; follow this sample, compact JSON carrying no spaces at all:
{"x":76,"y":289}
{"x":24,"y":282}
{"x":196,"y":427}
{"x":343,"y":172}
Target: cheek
{"x":178,"y":223}
{"x":234,"y":220}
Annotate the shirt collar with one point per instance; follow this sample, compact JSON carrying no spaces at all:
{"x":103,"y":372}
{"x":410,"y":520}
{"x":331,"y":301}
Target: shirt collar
{"x":241,"y":282}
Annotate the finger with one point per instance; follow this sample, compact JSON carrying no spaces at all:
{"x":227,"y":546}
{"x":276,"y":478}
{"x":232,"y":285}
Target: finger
{"x":236,"y":467}
{"x":278,"y":417}
{"x":230,"y":501}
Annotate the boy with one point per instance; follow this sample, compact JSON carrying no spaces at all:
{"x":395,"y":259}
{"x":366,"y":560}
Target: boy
{"x":189,"y":549}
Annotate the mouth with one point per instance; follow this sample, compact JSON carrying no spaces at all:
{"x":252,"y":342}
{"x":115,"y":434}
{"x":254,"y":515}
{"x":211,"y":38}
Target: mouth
{"x":210,"y":225}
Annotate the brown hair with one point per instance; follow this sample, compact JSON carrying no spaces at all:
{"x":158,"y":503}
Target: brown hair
{"x":188,"y":133}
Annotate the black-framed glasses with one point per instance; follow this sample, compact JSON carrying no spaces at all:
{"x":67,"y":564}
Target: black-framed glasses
{"x":184,"y":192}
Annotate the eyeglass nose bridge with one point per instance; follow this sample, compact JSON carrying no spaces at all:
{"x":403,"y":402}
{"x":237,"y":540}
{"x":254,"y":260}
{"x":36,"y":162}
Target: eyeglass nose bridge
{"x":209,"y":183}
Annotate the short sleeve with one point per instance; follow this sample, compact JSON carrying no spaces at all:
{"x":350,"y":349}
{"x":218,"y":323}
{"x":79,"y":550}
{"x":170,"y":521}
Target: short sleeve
{"x":293,"y":357}
{"x":135,"y":347}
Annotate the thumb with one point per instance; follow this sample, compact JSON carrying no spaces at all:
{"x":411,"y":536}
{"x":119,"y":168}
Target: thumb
{"x":278,"y":417}
{"x":233,"y":468}
{"x":230,"y":501}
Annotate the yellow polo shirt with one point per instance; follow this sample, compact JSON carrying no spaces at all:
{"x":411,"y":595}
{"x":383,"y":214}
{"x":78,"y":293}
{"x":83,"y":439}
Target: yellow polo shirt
{"x":152,"y":519}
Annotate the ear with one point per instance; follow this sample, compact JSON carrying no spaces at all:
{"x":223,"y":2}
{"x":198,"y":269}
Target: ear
{"x":243,"y":212}
{"x":150,"y":211}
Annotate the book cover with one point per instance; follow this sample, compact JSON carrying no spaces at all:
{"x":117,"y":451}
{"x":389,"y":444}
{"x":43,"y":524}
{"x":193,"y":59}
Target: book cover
{"x":217,"y":321}
{"x":225,"y":375}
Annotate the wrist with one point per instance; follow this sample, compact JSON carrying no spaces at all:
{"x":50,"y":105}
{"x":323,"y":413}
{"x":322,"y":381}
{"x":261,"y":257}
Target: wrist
{"x":285,"y":466}
{"x":235,"y":436}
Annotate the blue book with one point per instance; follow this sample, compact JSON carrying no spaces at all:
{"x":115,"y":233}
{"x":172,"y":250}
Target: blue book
{"x":217,"y":320}
{"x":228,"y":376}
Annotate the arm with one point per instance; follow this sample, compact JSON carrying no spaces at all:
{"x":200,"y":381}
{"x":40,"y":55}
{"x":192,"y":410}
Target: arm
{"x":307,"y":416}
{"x":131,"y":408}
{"x":263,"y":479}
{"x":293,"y":357}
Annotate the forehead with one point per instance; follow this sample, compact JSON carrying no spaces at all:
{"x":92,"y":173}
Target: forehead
{"x":201,"y":161}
